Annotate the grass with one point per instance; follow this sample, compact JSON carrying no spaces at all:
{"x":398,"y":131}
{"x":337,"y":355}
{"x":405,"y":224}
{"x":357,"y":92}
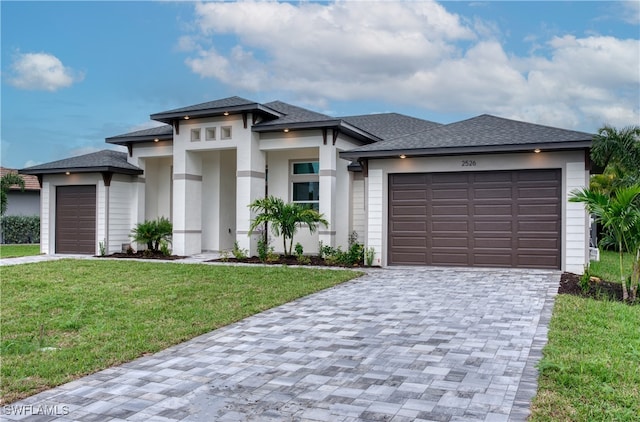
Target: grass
{"x":591,"y":365}
{"x":12,"y":251}
{"x":97,"y":314}
{"x":608,"y":268}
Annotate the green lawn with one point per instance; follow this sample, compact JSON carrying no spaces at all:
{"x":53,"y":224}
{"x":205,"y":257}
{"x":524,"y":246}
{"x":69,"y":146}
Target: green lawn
{"x":12,"y":251}
{"x":608,"y":268}
{"x":101,"y":313}
{"x":591,"y":365}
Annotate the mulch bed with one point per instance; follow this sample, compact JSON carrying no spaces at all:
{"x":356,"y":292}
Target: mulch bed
{"x":141,"y":255}
{"x":598,"y":289}
{"x":286,"y":260}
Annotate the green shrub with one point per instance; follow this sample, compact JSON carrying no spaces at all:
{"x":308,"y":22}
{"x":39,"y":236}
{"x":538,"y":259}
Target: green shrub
{"x":299,"y":250}
{"x":21,"y":229}
{"x":239,"y":253}
{"x":370,"y":254}
{"x":153,"y":232}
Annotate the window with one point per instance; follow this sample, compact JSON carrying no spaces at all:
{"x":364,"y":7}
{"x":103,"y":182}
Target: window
{"x":225,"y":132}
{"x":210,"y":134}
{"x":305,"y":184}
{"x":195,"y":135}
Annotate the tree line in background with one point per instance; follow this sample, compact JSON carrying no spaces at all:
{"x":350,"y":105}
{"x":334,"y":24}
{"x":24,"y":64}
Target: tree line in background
{"x":613,"y":198}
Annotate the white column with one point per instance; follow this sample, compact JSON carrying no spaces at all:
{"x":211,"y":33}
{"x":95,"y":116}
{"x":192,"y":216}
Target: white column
{"x":250,"y":185}
{"x":374,"y":188}
{"x":327,"y":177}
{"x":187,"y":203}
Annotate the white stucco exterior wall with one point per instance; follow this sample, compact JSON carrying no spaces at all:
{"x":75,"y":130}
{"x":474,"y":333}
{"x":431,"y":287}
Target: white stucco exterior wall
{"x":574,"y":231}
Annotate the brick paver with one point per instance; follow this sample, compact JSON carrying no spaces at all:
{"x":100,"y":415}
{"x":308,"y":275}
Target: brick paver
{"x":399,"y":344}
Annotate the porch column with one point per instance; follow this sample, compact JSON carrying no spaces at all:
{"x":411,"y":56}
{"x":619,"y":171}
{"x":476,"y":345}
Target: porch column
{"x":250,"y":185}
{"x":187,"y":203}
{"x":327,"y":177}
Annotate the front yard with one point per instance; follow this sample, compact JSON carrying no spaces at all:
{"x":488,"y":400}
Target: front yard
{"x":591,"y":365}
{"x":65,"y":319}
{"x":12,"y":251}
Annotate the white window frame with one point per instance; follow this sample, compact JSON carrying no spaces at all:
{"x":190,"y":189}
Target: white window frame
{"x":196,"y":135}
{"x":225,"y":132}
{"x":208,"y":131}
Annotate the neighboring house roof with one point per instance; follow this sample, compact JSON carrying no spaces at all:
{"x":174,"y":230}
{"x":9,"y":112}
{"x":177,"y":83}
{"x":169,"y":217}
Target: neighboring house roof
{"x":161,"y":133}
{"x":479,"y":134}
{"x":102,"y":161}
{"x":30,"y":182}
{"x":214,"y":108}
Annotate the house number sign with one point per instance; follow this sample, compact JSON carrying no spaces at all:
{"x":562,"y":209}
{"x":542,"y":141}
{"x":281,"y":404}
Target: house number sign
{"x":468,"y":163}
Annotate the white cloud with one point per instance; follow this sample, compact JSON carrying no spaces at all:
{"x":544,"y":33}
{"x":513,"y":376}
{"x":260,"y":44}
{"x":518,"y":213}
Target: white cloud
{"x":41,"y":71}
{"x":31,"y":163}
{"x":414,"y":53}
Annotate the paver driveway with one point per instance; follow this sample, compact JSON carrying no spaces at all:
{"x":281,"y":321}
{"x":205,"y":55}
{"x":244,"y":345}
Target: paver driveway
{"x":399,"y":344}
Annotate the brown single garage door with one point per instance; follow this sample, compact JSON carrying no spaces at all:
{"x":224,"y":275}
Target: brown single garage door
{"x":76,"y":219}
{"x":484,"y":219}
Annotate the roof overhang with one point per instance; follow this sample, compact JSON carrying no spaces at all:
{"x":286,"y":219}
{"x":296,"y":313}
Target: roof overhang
{"x":466,"y":150}
{"x":170,"y":116}
{"x":336,"y":124}
{"x":124,"y":140}
{"x":97,"y":169}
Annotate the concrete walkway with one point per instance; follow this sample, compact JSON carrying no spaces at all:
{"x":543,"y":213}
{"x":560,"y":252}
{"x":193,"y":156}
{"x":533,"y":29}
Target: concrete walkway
{"x":401,"y":344}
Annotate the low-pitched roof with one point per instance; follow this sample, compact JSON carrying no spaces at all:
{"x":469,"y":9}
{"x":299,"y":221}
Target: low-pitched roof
{"x":161,"y":133}
{"x":479,"y":134}
{"x":214,"y":108}
{"x":30,"y":182}
{"x":390,"y":125}
{"x":102,"y":161}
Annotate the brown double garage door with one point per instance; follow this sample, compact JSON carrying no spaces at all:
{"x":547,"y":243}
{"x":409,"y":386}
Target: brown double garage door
{"x":484,"y":219}
{"x":76,"y":219}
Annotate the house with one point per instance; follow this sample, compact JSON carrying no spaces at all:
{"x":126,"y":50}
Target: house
{"x":23,"y":202}
{"x":486,"y":191}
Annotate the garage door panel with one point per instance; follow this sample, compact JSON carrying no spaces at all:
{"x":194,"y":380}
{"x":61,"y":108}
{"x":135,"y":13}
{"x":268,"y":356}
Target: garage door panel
{"x":411,"y":242}
{"x":492,"y":193}
{"x":410,"y":195}
{"x":537,"y":192}
{"x":408,"y":210}
{"x":450,"y":210}
{"x":500,"y":218}
{"x":449,"y":226}
{"x":537,"y":209}
{"x":483,"y":243}
{"x":456,"y":193}
{"x":450,"y":242}
{"x":409,"y":226}
{"x":492,"y":226}
{"x":492,"y":210}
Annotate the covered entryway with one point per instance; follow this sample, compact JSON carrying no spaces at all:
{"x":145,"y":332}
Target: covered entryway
{"x":76,"y":219}
{"x":485,"y":219}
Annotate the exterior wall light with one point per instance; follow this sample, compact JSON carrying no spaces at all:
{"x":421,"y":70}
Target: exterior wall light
{"x":156,"y":140}
{"x":403,"y":156}
{"x":286,"y":131}
{"x":67,"y":173}
{"x":537,"y":150}
{"x":186,"y":117}
{"x":226,"y":113}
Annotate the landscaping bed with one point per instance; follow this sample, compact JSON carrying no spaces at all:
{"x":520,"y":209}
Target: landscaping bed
{"x":289,"y":260}
{"x":597,"y":289}
{"x":143,"y":255}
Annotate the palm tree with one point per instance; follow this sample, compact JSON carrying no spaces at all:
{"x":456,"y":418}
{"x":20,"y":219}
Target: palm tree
{"x":284,"y":219}
{"x":6,"y":182}
{"x":620,"y":149}
{"x":619,"y":214}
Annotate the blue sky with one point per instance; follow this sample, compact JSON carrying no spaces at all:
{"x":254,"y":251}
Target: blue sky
{"x":74,"y":73}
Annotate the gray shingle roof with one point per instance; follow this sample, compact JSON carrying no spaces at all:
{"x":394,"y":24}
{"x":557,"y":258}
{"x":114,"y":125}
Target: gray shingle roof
{"x":294,"y":114}
{"x":164,"y":132}
{"x":390,"y":125}
{"x":482,"y":133}
{"x":221,"y":103}
{"x":105,"y":160}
